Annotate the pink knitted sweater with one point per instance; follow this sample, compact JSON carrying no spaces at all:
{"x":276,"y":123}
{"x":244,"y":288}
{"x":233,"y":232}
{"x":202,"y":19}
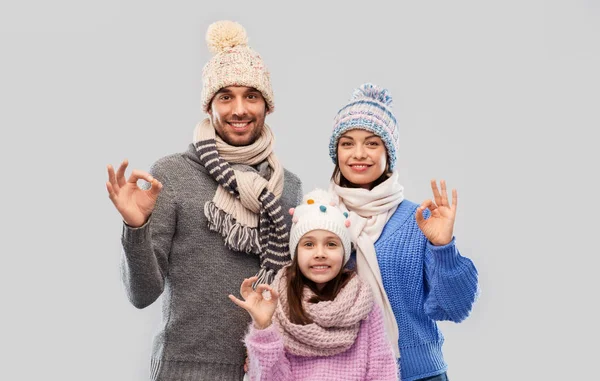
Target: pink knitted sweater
{"x":370,"y":358}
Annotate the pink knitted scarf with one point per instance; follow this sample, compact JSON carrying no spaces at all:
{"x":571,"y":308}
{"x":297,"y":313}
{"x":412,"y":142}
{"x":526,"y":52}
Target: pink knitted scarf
{"x":335,"y":323}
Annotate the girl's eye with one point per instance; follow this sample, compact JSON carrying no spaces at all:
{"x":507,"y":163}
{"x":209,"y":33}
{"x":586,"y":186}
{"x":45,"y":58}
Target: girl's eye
{"x":224,"y":97}
{"x":373,"y":143}
{"x":345,"y":144}
{"x":332,"y":244}
{"x":308,"y":244}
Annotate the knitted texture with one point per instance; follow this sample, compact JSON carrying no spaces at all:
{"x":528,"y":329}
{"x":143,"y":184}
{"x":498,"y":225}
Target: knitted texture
{"x":319,"y":211}
{"x":335,"y":323}
{"x":233,"y":64}
{"x":370,"y":210}
{"x":177,"y":258}
{"x":369,"y":109}
{"x":424,"y":283}
{"x":368,"y":359}
{"x":242,"y":194}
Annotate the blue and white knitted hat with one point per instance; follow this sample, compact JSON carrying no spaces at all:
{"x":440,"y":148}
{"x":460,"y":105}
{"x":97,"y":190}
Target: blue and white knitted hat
{"x":369,"y":109}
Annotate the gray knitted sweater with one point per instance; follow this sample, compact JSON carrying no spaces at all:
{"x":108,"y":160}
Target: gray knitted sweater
{"x":175,"y":255}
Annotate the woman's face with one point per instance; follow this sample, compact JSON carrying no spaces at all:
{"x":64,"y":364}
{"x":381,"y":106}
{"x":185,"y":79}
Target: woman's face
{"x":362,"y":157}
{"x":320,"y":256}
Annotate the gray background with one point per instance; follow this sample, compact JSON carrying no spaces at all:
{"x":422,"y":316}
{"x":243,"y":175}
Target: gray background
{"x":499,"y":98}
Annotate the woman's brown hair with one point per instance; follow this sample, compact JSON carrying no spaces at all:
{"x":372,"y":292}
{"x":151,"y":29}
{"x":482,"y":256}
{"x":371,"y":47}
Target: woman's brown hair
{"x":296,"y":281}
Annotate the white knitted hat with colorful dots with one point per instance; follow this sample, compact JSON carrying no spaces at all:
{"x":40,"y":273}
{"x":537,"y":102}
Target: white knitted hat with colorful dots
{"x":319,"y":211}
{"x":233,"y":64}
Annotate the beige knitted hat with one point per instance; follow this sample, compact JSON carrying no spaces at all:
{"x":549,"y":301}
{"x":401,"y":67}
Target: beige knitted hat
{"x":234,"y":64}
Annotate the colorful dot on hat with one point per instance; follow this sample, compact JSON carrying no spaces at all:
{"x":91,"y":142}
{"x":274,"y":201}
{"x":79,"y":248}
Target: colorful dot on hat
{"x":323,"y":208}
{"x":346,"y":214}
{"x":347,"y":223}
{"x":332,"y":203}
{"x":310,"y":201}
{"x":291,"y":211}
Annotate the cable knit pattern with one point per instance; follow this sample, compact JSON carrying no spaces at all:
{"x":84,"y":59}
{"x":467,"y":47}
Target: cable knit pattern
{"x":370,"y":358}
{"x":424,"y":283}
{"x":335,"y":323}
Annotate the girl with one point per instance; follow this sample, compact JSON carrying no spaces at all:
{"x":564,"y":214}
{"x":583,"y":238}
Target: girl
{"x":405,"y":251}
{"x":317,"y":321}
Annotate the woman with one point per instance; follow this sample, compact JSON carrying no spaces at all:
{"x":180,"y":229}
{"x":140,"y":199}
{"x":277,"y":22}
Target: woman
{"x":405,"y":251}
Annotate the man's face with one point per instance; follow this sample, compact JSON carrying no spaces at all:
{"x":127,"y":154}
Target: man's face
{"x":238,"y":114}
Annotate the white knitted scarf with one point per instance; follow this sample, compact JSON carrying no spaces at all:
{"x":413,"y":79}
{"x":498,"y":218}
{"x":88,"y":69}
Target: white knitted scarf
{"x":369,"y":211}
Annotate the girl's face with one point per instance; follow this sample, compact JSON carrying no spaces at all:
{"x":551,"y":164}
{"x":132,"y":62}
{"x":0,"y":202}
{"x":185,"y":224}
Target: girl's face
{"x":361,"y":157}
{"x":320,"y":256}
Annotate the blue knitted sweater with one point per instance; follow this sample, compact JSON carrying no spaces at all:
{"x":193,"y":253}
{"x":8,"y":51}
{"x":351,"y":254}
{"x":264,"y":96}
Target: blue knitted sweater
{"x":424,"y":283}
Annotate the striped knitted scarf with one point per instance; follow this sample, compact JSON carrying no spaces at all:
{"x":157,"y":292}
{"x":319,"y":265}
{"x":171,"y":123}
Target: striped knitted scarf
{"x":246,"y":209}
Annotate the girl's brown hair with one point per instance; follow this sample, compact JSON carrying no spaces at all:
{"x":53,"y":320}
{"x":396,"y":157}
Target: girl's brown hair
{"x":296,"y":281}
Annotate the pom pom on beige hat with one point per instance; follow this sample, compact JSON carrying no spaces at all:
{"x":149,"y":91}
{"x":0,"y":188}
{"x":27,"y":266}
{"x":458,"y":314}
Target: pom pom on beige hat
{"x":233,"y":63}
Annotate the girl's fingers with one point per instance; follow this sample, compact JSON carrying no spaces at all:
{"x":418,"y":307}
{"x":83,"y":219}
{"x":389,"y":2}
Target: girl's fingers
{"x":265,"y":291}
{"x":238,"y":302}
{"x":246,"y":287}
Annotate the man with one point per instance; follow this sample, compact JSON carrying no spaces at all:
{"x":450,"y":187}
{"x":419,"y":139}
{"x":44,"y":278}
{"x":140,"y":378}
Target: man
{"x":211,"y":216}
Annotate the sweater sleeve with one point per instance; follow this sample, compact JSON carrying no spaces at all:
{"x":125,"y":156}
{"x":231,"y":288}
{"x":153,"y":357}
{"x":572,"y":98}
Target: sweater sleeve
{"x":452,"y":283}
{"x":300,"y":194}
{"x":381,"y":363}
{"x":144,"y":260}
{"x":267,"y":355}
